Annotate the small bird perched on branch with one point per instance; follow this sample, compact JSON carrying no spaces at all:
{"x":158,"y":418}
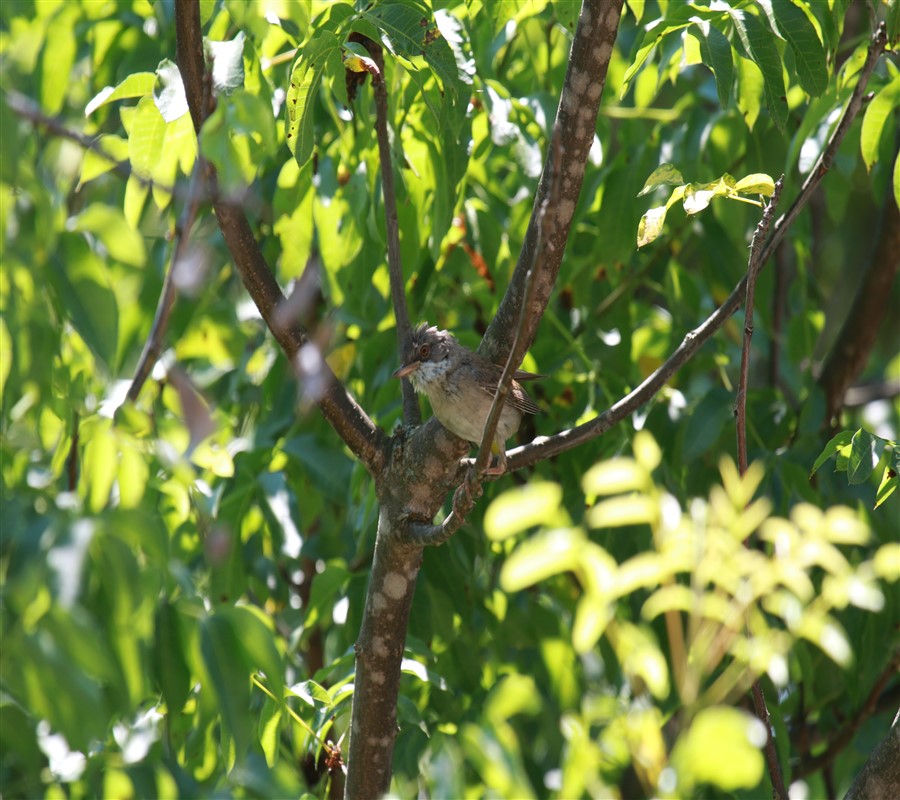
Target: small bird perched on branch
{"x":460,"y":385}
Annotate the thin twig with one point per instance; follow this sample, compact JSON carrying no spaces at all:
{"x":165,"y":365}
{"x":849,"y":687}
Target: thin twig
{"x":26,"y":108}
{"x":740,"y":412}
{"x":154,"y":344}
{"x":740,"y":405}
{"x":411,"y":412}
{"x":548,"y":446}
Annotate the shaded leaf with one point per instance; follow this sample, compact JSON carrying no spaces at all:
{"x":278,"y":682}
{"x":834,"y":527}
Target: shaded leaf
{"x":305,"y":77}
{"x":882,"y":107}
{"x":865,"y":452}
{"x":800,"y":34}
{"x":715,"y":50}
{"x":834,"y":444}
{"x":761,"y":49}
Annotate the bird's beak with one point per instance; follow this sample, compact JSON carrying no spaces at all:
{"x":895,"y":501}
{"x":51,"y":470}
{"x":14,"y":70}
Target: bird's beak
{"x":406,"y":369}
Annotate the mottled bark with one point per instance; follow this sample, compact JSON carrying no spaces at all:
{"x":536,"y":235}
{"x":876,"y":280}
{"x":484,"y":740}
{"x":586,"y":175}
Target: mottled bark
{"x":879,"y":779}
{"x":419,"y":473}
{"x":576,"y":123}
{"x":423,"y":468}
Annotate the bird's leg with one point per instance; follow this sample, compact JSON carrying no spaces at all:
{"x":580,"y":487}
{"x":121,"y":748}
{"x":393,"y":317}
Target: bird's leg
{"x":500,"y":467}
{"x":467,"y":493}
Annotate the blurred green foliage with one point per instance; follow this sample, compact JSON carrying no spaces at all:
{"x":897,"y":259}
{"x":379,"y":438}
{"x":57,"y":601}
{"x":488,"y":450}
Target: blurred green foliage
{"x":183,"y":577}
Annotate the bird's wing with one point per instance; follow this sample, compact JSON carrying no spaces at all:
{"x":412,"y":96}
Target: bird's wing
{"x":522,"y":375}
{"x":517,"y":397}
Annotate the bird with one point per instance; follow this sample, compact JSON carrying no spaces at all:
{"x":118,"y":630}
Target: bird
{"x":460,"y":385}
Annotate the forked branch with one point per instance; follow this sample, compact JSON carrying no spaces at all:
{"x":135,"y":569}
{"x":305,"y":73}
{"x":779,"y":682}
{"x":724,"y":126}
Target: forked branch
{"x":352,"y":424}
{"x":549,"y":446}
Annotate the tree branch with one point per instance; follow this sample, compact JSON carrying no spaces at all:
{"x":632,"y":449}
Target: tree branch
{"x":547,"y":447}
{"x":756,"y":243}
{"x":576,"y":123}
{"x":26,"y":108}
{"x":880,"y":778}
{"x":154,"y":344}
{"x":858,"y":335}
{"x":362,"y":436}
{"x":740,"y":412}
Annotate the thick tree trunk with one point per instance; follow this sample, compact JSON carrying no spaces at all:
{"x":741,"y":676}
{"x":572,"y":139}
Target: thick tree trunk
{"x":879,"y":779}
{"x":421,"y":470}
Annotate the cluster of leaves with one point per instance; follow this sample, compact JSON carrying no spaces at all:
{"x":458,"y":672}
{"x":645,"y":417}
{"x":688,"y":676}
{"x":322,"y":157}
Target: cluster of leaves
{"x":696,"y":196}
{"x":183,"y":577}
{"x":859,"y":454}
{"x":730,"y":612}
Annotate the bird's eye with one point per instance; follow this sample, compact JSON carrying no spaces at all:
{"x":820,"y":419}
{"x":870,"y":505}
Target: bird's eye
{"x":424,"y":350}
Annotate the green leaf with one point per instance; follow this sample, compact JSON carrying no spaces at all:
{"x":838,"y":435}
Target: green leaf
{"x":145,"y":138}
{"x":893,"y":22}
{"x":269,"y":726}
{"x":757,"y":183}
{"x":883,"y":106}
{"x":896,"y":180}
{"x":138,"y":84}
{"x":632,"y":509}
{"x":615,"y":476}
{"x":325,"y":585}
{"x":809,"y":54}
{"x":133,"y":473}
{"x":592,"y":616}
{"x":715,"y":50}
{"x":639,"y":654}
{"x":865,"y":452}
{"x":519,"y":509}
{"x":305,"y":77}
{"x":835,"y":443}
{"x":663,"y":175}
{"x":651,"y":225}
{"x":722,"y":747}
{"x":255,"y":633}
{"x":94,"y":164}
{"x":750,"y":91}
{"x":57,"y":59}
{"x":108,"y":224}
{"x":697,"y":196}
{"x":886,"y":563}
{"x":222,"y":651}
{"x":82,"y":288}
{"x":540,"y":557}
{"x":407,"y":30}
{"x":169,"y":657}
{"x":6,"y":356}
{"x":653,"y":36}
{"x":889,"y":482}
{"x":99,"y":466}
{"x":312,"y":693}
{"x":761,"y":48}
